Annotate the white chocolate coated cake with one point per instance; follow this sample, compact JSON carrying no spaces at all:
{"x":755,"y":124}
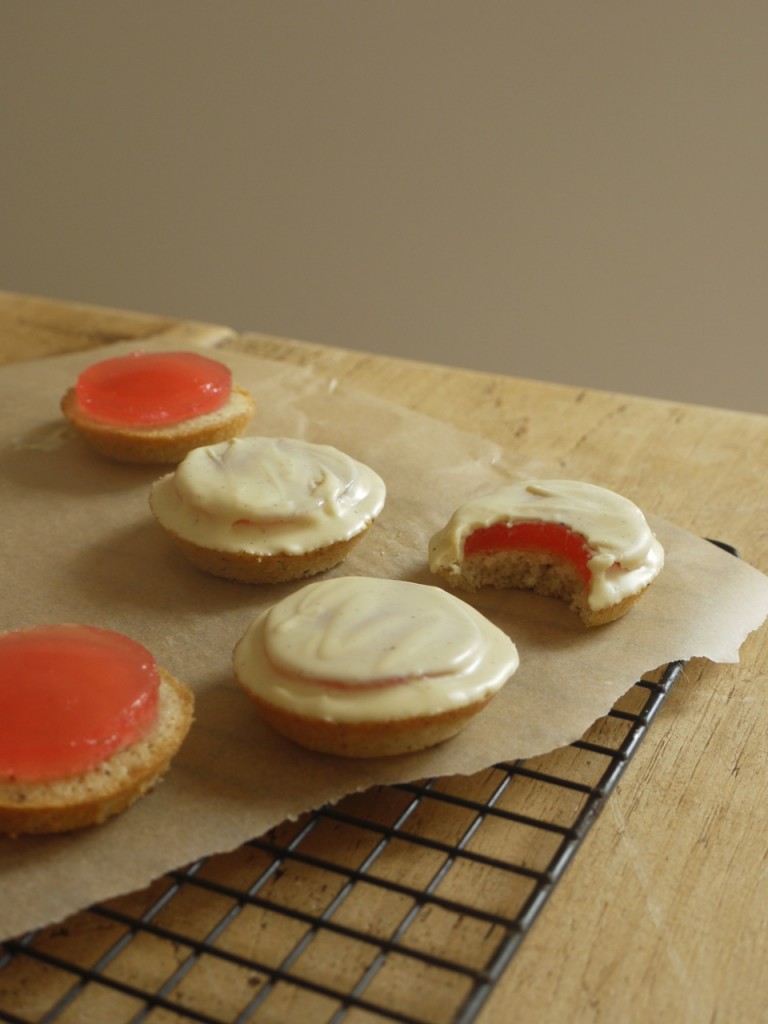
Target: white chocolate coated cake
{"x":564,"y":538}
{"x":262,"y":509}
{"x":362,"y":666}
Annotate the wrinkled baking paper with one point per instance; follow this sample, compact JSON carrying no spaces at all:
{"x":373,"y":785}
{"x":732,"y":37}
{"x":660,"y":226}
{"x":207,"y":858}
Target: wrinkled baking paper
{"x":80,"y":545}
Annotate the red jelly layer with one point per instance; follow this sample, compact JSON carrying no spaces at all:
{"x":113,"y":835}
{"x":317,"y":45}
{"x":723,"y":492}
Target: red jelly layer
{"x":151,"y":389}
{"x":71,"y":696}
{"x":550,"y":537}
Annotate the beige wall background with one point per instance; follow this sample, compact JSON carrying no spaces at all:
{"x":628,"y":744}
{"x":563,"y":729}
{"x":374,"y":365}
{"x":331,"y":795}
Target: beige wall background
{"x":572,"y":190}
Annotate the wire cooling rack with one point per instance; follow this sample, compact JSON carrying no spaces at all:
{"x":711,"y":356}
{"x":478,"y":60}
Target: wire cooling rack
{"x":392,"y":905}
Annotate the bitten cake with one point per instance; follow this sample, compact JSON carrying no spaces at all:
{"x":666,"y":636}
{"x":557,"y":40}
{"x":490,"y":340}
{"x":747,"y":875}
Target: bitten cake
{"x":267,"y":510}
{"x":88,"y":724}
{"x":154,"y":407}
{"x":567,"y":539}
{"x":365,"y":667}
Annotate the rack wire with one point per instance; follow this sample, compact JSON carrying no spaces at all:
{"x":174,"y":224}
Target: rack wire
{"x":333,"y":918}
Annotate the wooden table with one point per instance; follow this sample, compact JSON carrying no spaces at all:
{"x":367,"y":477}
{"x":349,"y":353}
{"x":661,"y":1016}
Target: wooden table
{"x":662,"y":914}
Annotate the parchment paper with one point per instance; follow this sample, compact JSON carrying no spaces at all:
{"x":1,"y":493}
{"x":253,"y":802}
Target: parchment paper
{"x":80,"y":545}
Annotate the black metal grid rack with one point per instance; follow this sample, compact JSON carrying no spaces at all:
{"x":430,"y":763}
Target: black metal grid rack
{"x":385,"y":907}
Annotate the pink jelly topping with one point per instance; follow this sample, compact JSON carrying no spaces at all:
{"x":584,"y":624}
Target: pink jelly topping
{"x":362,"y":685}
{"x":151,"y":389}
{"x":536,"y":536}
{"x":70,"y":696}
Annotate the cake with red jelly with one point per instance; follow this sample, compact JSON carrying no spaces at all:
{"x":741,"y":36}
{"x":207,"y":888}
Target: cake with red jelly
{"x":154,"y":407}
{"x":267,"y":509}
{"x":575,"y":541}
{"x":88,"y":724}
{"x":368,"y":667}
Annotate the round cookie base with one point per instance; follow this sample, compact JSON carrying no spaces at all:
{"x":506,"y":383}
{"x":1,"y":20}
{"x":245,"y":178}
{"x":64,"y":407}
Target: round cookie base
{"x":367,"y":739}
{"x":543,"y":573}
{"x":92,"y":797}
{"x":246,"y":567}
{"x":161,"y":445}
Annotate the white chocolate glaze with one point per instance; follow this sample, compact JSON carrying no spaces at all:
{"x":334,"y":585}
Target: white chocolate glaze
{"x":267,"y":496}
{"x":354,"y":648}
{"x":626,"y":555}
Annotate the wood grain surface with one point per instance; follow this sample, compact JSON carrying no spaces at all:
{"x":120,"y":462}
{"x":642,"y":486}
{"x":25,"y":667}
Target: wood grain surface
{"x":661,"y":916}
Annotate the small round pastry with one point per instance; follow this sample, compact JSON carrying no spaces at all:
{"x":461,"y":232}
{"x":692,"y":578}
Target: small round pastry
{"x":266,"y":509}
{"x":567,"y":539}
{"x":154,"y":407}
{"x":88,"y":724}
{"x":366,"y":667}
